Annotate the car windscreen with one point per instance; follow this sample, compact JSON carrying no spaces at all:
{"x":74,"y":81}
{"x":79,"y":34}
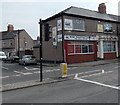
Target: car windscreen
{"x":29,"y":56}
{"x":2,"y":54}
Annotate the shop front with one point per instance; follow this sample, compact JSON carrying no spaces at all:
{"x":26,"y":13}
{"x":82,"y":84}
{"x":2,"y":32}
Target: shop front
{"x":80,"y":48}
{"x":108,"y":47}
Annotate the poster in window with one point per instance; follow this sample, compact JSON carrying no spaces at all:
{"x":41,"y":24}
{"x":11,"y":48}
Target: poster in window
{"x":68,"y":25}
{"x":59,"y":25}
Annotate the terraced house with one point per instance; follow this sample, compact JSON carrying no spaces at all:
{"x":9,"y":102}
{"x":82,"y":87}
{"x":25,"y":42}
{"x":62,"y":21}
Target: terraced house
{"x":79,"y":35}
{"x":15,"y":42}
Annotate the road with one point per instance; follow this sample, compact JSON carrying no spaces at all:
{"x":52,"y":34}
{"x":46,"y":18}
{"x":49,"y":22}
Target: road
{"x":94,"y":88}
{"x":13,"y":73}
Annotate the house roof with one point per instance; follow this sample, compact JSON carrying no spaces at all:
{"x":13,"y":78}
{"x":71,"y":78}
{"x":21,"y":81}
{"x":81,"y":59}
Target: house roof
{"x":75,"y":11}
{"x":9,"y":34}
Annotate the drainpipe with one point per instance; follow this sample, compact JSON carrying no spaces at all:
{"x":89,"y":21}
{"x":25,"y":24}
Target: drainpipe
{"x":18,"y":43}
{"x":63,"y":55}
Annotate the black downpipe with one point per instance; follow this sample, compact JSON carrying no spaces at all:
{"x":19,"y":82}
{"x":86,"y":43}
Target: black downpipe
{"x":63,"y":39}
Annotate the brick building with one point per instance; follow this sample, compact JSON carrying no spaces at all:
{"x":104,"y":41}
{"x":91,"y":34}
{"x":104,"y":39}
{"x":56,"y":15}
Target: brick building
{"x":79,"y":35}
{"x":14,"y":41}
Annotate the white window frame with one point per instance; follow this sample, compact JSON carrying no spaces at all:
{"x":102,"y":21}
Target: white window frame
{"x":81,"y":43}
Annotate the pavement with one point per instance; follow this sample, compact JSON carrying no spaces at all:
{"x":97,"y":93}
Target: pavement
{"x":31,"y":83}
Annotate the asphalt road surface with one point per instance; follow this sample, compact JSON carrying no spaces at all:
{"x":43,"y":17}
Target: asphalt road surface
{"x":94,"y":88}
{"x":13,"y":73}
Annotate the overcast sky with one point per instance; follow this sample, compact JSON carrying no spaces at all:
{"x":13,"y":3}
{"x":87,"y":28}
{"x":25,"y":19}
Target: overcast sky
{"x":25,"y":14}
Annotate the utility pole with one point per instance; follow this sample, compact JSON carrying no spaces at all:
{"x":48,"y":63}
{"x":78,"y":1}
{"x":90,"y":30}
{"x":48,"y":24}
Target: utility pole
{"x":41,"y":75}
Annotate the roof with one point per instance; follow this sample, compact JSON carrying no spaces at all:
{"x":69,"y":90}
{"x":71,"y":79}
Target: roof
{"x":86,"y":13}
{"x":9,"y":34}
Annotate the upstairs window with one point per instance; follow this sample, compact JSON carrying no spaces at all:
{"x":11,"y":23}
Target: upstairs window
{"x":11,"y":43}
{"x":3,"y":44}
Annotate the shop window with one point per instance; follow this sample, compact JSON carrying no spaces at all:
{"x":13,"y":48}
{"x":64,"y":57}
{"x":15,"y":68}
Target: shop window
{"x":90,"y":48}
{"x":80,"y":48}
{"x":109,"y":46}
{"x":84,"y":49}
{"x":87,"y":47}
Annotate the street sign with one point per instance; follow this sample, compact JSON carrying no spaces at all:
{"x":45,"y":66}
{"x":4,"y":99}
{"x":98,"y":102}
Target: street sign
{"x":54,"y":36}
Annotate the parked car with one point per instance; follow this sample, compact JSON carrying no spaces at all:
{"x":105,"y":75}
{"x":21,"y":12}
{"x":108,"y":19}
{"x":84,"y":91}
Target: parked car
{"x":12,"y":59}
{"x":28,"y":59}
{"x":2,"y":56}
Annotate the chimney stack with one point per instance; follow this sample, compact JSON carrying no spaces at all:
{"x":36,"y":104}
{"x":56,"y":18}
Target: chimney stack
{"x":102,"y":8}
{"x":38,"y":38}
{"x":10,"y":27}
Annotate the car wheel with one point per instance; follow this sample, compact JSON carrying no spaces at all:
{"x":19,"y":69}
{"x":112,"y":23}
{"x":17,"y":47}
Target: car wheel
{"x":24,"y":63}
{"x":19,"y":63}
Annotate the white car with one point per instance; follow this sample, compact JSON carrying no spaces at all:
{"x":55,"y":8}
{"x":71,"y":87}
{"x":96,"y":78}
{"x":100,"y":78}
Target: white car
{"x":2,"y":55}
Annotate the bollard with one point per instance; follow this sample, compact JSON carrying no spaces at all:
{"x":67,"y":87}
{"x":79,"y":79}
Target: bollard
{"x":63,"y":68}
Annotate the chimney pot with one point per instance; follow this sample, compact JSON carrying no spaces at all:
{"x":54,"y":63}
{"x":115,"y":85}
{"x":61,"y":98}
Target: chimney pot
{"x":102,"y":8}
{"x":10,"y":27}
{"x":38,"y":38}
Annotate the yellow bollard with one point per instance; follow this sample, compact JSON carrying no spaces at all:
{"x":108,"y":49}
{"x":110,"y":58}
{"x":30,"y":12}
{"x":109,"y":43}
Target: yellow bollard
{"x":63,"y":67}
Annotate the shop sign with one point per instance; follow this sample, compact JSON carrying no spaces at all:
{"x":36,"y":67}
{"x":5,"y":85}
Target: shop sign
{"x":108,"y":27}
{"x":78,"y":37}
{"x":109,"y":38}
{"x":59,"y":25}
{"x":68,"y":25}
{"x":100,"y":27}
{"x":59,"y":38}
{"x":54,"y":36}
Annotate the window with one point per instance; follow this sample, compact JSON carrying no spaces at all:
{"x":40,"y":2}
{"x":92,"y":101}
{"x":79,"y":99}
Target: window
{"x":87,"y":47}
{"x":80,"y":47}
{"x":109,"y":46}
{"x":11,"y":43}
{"x":3,"y":44}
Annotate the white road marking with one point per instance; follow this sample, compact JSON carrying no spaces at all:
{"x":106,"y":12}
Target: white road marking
{"x":17,"y":75}
{"x":98,"y":83}
{"x":28,"y":73}
{"x":31,"y":68}
{"x":5,"y":77}
{"x":116,"y":67}
{"x":47,"y":71}
{"x":95,"y":74}
{"x":5,"y":68}
{"x":90,"y":71}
